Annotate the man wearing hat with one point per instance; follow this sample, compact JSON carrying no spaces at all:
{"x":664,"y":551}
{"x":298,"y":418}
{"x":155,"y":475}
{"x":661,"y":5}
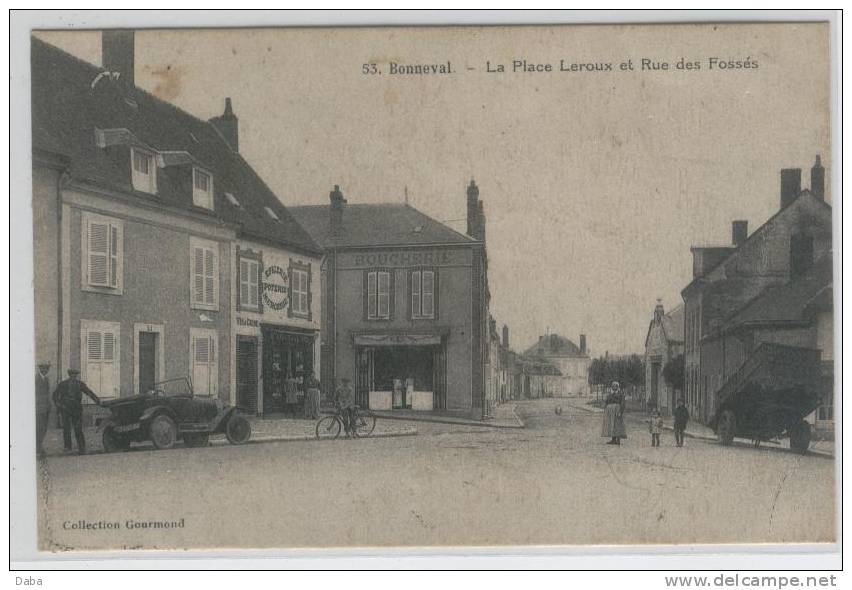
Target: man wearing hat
{"x":68,"y":398}
{"x":345,"y":400}
{"x":42,"y":404}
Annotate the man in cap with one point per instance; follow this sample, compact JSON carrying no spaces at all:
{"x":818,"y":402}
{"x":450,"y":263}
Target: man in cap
{"x":68,"y":398}
{"x":42,"y":404}
{"x":345,"y":399}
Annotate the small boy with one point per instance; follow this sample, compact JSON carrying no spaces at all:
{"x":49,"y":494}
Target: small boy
{"x":681,"y":418}
{"x":655,"y":427}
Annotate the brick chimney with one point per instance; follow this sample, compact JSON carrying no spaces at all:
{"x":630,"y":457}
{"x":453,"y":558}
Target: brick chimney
{"x":505,"y":336}
{"x":818,"y":180}
{"x":791,"y":185}
{"x":228,"y":126}
{"x":659,"y":311}
{"x":583,"y":344}
{"x":117,"y":47}
{"x":739,"y":231}
{"x":472,"y":209}
{"x":336,"y":210}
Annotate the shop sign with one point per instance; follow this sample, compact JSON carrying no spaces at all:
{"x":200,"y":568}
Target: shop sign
{"x":276,"y":287}
{"x":405,"y":258}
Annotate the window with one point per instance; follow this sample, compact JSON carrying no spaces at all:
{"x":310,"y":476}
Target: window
{"x":378,"y":295}
{"x":204,"y":280}
{"x":99,"y":356}
{"x":102,"y":240}
{"x":203,"y":360}
{"x":202,"y":189}
{"x":143,"y":173}
{"x":249,"y":282}
{"x":300,"y":290}
{"x":422,"y":294}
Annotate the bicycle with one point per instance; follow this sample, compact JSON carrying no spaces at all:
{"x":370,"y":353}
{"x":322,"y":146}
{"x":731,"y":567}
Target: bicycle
{"x":330,"y":426}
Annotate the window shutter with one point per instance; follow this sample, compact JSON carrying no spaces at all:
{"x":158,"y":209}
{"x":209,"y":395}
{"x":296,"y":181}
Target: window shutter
{"x":92,"y":375}
{"x":198,"y":275}
{"x":209,"y":276}
{"x":244,"y":286}
{"x":113,"y":256}
{"x":383,"y":294}
{"x":371,"y":295}
{"x":254,"y":287}
{"x":415,"y":294}
{"x":428,"y":293}
{"x":99,"y":253}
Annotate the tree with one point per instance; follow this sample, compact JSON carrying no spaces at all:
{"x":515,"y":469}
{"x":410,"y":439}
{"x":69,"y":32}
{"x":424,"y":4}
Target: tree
{"x":673,"y":373}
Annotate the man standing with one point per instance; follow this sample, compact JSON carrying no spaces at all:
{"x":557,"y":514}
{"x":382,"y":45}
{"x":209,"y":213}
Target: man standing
{"x":42,"y":404}
{"x":68,"y":398}
{"x":681,"y":418}
{"x":345,"y":399}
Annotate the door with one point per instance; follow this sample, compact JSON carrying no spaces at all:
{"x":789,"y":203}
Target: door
{"x":147,"y":361}
{"x":247,"y":373}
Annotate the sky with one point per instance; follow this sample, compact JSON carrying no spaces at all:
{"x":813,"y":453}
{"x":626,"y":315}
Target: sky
{"x":595,"y":184}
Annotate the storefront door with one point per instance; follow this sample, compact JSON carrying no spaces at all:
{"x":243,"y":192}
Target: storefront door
{"x":247,"y":373}
{"x":287,"y":360}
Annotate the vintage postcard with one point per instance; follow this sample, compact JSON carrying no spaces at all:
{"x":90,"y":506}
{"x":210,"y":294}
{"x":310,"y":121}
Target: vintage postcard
{"x":555,"y":285}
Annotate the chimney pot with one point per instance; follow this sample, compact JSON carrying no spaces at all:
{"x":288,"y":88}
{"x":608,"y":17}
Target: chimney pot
{"x":791,"y":185}
{"x":739,"y":231}
{"x":582,"y":344}
{"x":818,"y":179}
{"x":336,"y":209}
{"x":117,"y":54}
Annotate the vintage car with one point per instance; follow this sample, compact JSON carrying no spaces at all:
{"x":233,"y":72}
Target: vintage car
{"x":167,"y":413}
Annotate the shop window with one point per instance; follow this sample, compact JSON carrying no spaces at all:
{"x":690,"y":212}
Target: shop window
{"x":249,"y":270}
{"x":99,"y":352}
{"x":103,"y":249}
{"x":143,"y":171}
{"x":203,"y":357}
{"x":202,"y":189}
{"x":300,"y":290}
{"x":379,"y":295}
{"x":204,"y":263}
{"x":423,"y":294}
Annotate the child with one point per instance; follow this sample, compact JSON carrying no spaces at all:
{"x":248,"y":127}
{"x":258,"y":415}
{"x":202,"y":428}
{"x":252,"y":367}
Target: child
{"x":681,"y":418}
{"x":655,"y":427}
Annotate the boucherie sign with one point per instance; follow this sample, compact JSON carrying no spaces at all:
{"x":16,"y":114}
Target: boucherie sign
{"x":405,"y":258}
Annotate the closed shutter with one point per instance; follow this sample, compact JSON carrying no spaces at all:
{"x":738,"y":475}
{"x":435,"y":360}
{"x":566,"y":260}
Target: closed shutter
{"x":204,"y":367}
{"x":99,"y":253}
{"x":428,"y":293}
{"x":209,"y":275}
{"x":371,"y":295}
{"x":415,"y":294}
{"x":100,"y":356}
{"x":204,"y":274}
{"x":384,"y":295}
{"x":198,"y":275}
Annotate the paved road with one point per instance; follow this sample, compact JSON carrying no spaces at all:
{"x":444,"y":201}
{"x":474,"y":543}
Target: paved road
{"x":555,"y":482}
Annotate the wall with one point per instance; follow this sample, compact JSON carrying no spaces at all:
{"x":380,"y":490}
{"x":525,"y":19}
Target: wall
{"x":156,"y":285}
{"x":455,"y":288}
{"x":46,"y":268}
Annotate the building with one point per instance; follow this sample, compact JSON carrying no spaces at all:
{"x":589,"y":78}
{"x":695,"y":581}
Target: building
{"x":727,"y":278}
{"x":663,"y":343}
{"x":144,"y":218}
{"x":571,"y":362}
{"x":406,"y":316}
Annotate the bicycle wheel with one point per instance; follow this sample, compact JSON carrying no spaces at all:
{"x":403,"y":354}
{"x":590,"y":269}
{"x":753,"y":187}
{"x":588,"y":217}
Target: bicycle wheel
{"x":328,"y":427}
{"x":364,"y":425}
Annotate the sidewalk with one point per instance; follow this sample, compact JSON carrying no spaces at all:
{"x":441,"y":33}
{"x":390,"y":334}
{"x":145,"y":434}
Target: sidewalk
{"x":503,"y":416}
{"x":262,"y":430}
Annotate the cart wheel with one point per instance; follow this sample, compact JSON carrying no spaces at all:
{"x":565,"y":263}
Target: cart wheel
{"x":238,"y":429}
{"x":163,"y":432}
{"x":113,"y":441}
{"x":800,"y":437}
{"x":196,"y":439}
{"x":727,"y":427}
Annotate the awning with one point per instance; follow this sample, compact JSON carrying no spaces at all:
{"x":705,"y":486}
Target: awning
{"x":397,"y":340}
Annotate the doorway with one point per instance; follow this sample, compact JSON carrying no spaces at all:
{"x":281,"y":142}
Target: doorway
{"x":247,"y":373}
{"x":147,"y":355}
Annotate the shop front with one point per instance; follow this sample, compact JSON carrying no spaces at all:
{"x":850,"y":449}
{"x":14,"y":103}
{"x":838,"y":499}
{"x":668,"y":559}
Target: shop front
{"x":288,"y":360}
{"x":401,"y":371}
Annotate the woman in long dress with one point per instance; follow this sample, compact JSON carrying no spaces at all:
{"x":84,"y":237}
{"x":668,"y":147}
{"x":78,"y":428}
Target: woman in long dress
{"x":312,"y":398}
{"x":613,"y":417}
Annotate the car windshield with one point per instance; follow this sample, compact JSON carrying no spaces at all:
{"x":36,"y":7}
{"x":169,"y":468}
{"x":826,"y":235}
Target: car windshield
{"x":174,"y":387}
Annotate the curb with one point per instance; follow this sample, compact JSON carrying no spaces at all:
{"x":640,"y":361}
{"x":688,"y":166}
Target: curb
{"x":457,"y":422}
{"x":713,"y":439}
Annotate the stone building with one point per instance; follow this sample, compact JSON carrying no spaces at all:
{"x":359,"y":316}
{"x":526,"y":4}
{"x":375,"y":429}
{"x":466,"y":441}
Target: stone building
{"x":663,"y":342}
{"x":571,"y":362}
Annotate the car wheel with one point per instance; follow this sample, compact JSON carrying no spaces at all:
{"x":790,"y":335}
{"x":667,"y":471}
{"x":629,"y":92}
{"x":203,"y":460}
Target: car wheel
{"x":163,"y":432}
{"x":196,"y":439}
{"x":113,"y":441}
{"x":238,"y":429}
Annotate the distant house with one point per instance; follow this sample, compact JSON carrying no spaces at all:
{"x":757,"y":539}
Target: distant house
{"x":728,"y":279}
{"x":571,"y":361}
{"x":663,"y":342}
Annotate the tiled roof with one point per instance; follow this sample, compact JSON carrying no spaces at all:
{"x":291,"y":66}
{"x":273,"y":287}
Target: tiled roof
{"x":383,"y":224}
{"x":67,"y":109}
{"x":786,"y":303}
{"x":554,"y":345}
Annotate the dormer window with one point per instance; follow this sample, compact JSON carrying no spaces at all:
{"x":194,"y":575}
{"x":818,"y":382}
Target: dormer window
{"x":143,"y":172}
{"x":202,"y":188}
{"x":271,"y":213}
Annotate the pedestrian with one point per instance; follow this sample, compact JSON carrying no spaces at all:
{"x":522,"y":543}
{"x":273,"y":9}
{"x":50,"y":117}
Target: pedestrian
{"x":42,"y":404}
{"x":312,"y":398}
{"x":681,"y":418}
{"x":345,"y":400}
{"x":655,"y":426}
{"x":613,"y":417}
{"x":68,"y":398}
